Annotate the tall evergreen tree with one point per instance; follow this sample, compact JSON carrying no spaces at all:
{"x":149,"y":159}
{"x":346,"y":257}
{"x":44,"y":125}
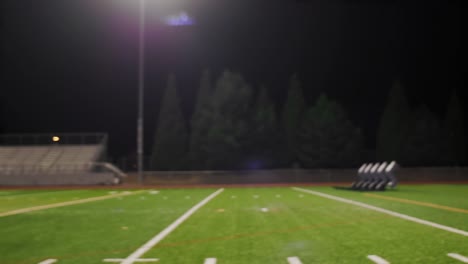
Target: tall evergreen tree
{"x":227,"y":123}
{"x":198,"y":122}
{"x":392,"y":130}
{"x":327,"y":138}
{"x":170,"y":143}
{"x":291,"y":115}
{"x":204,"y":93}
{"x":265,"y":139}
{"x":454,"y":129}
{"x":425,"y":140}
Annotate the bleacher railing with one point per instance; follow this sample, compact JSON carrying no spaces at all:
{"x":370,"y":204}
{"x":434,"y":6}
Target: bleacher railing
{"x":63,"y":168}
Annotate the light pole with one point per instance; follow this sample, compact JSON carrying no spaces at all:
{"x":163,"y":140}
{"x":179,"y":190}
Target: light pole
{"x":182,"y":19}
{"x":141,"y":86}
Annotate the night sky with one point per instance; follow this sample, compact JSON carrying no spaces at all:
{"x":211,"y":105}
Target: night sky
{"x":71,"y":66}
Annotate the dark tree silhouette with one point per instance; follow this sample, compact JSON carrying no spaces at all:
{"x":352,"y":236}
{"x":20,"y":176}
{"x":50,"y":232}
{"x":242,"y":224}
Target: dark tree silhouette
{"x":327,"y":138}
{"x":170,"y":143}
{"x":266,"y":144}
{"x":292,"y":111}
{"x":226,"y":121}
{"x":392,"y":130}
{"x":198,"y":123}
{"x":425,"y":140}
{"x":455,"y":132}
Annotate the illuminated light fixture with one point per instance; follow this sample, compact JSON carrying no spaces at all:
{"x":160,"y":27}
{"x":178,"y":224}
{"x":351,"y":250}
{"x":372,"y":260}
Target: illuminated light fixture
{"x":55,"y":139}
{"x":181,"y":19}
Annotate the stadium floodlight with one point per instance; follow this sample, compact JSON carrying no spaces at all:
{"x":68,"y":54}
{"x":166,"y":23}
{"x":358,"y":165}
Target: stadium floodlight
{"x":180,"y":19}
{"x":160,"y":10}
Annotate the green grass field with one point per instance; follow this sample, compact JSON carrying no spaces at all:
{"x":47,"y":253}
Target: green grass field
{"x":238,"y":225}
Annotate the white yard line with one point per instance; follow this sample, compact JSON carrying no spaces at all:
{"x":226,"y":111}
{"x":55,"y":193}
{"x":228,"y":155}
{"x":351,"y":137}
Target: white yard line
{"x":48,"y":261}
{"x":48,"y":206}
{"x":136,"y":260}
{"x":385,"y":211}
{"x":458,"y":257}
{"x":294,"y":260}
{"x":377,"y":260}
{"x":153,"y":241}
{"x":210,"y":261}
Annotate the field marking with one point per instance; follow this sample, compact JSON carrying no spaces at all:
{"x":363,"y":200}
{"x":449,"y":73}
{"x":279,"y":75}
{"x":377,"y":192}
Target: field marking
{"x":458,"y":257}
{"x":48,"y":261}
{"x":210,"y":261}
{"x":136,"y":260}
{"x":294,"y":260}
{"x":378,"y":260}
{"x":156,"y":239}
{"x":443,"y":207}
{"x":48,"y":206}
{"x":385,"y":211}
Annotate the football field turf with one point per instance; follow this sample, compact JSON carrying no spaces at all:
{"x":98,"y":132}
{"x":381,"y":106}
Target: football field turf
{"x":413,"y":224}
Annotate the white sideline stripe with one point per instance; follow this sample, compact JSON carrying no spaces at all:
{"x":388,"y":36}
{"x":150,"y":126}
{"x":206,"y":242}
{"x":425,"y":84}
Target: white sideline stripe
{"x":48,"y":261}
{"x":48,"y":206}
{"x":385,"y":211}
{"x":294,"y":260}
{"x":210,"y":261}
{"x":136,"y":260}
{"x":458,"y":257}
{"x":153,"y":241}
{"x":378,"y":260}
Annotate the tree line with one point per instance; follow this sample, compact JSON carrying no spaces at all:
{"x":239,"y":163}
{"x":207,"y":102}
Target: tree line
{"x":235,"y":126}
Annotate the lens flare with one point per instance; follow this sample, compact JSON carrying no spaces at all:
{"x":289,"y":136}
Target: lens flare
{"x":181,"y":19}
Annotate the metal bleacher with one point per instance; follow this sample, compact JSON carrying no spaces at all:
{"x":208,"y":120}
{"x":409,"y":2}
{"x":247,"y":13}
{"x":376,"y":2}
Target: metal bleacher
{"x":71,"y":159}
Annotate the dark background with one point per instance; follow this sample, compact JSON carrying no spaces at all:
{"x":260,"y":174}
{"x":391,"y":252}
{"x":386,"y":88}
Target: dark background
{"x":71,"y":66}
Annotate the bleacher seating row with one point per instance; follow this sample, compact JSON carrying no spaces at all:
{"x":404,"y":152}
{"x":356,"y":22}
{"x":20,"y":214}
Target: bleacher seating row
{"x":47,"y":156}
{"x":56,"y":164}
